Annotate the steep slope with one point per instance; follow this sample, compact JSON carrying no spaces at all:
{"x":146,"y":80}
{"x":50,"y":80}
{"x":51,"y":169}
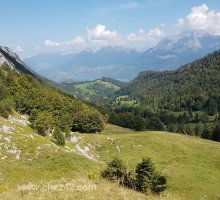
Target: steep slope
{"x":194,"y":86}
{"x":49,"y":109}
{"x":10,"y":58}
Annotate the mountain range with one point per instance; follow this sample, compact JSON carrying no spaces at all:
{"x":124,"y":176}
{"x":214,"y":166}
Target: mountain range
{"x":124,"y":63}
{"x":175,"y":100}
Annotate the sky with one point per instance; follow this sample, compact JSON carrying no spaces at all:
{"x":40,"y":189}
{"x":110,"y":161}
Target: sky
{"x":32,"y":27}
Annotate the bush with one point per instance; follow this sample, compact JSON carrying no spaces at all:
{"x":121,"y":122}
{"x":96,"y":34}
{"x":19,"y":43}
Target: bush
{"x":6,"y":106}
{"x":159,"y":183}
{"x":216,"y":133}
{"x":88,"y":122}
{"x":44,"y":122}
{"x":115,"y":171}
{"x":144,"y":179}
{"x":59,"y":137}
{"x":154,"y":123}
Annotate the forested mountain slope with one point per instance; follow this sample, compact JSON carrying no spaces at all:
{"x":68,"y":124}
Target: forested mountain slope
{"x":193,"y":86}
{"x":49,"y":110}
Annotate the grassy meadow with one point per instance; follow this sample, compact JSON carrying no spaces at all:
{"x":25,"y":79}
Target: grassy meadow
{"x":191,"y":164}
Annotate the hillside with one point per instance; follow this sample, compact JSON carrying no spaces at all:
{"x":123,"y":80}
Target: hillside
{"x":186,"y":100}
{"x":24,"y":91}
{"x":193,"y":86}
{"x":92,"y":91}
{"x":31,"y":165}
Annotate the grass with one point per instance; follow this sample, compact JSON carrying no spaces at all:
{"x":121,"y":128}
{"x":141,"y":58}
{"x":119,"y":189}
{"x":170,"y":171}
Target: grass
{"x":190,"y":164}
{"x":86,"y":88}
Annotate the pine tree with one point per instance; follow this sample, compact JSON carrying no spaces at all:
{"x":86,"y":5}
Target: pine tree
{"x":144,"y":175}
{"x":216,"y":133}
{"x":115,"y":171}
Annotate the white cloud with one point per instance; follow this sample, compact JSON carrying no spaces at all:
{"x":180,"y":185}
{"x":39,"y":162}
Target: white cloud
{"x":101,"y":33}
{"x":198,"y":18}
{"x":180,"y":23}
{"x":144,"y":39}
{"x":19,"y":49}
{"x":201,"y":18}
{"x":100,"y":36}
{"x":77,"y":41}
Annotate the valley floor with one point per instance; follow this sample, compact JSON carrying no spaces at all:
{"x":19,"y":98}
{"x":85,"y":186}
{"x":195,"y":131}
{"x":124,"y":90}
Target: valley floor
{"x":32,"y":167}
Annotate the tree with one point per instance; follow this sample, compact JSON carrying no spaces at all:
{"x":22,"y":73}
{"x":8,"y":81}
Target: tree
{"x":44,"y":123}
{"x":59,"y":137}
{"x":159,"y":183}
{"x":197,"y":118}
{"x":87,"y":121}
{"x":115,"y":171}
{"x":64,"y":121}
{"x":148,"y":179}
{"x":207,"y":132}
{"x":6,"y":106}
{"x":139,"y":123}
{"x":216,"y":133}
{"x":155,"y":124}
{"x":199,"y":129}
{"x":144,"y":179}
{"x":144,"y":175}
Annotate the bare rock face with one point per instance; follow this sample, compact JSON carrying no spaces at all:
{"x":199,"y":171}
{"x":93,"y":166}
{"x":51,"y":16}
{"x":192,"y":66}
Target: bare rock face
{"x":10,"y":58}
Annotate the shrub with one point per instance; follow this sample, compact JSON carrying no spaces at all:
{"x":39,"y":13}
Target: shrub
{"x":59,"y":137}
{"x":159,"y":183}
{"x":154,"y":123}
{"x":144,"y":179}
{"x":88,"y":122}
{"x":44,"y":122}
{"x":216,"y":133}
{"x":115,"y":171}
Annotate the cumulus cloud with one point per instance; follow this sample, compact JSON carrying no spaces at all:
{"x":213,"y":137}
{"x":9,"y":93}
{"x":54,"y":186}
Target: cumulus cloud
{"x":198,"y":18}
{"x":101,"y":33}
{"x":201,"y":18}
{"x":19,"y":49}
{"x":77,"y":41}
{"x":100,"y":36}
{"x":144,"y":39}
{"x":180,"y":23}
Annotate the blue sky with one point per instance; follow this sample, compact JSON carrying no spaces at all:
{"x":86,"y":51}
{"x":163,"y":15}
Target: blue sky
{"x":33,"y":27}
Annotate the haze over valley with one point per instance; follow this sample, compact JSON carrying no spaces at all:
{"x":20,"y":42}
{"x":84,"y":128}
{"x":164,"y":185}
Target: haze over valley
{"x":110,"y":100}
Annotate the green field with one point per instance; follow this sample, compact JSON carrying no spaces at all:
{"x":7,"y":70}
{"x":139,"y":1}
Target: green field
{"x":89,"y":90}
{"x":192,"y":165}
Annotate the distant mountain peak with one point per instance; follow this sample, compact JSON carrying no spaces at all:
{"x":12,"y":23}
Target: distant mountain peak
{"x":189,"y":39}
{"x":125,"y":63}
{"x":195,"y":34}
